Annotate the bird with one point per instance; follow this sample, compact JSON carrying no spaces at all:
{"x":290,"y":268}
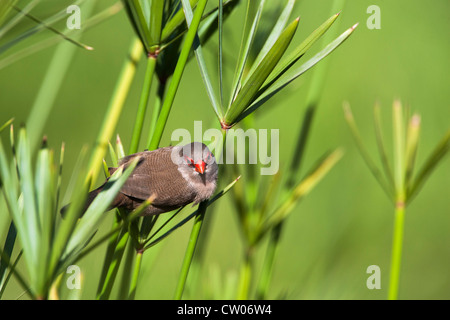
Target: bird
{"x":173,"y":177}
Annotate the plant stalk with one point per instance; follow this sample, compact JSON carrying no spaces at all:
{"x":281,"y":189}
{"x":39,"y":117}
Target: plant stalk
{"x":51,"y":84}
{"x":137,"y":268}
{"x":267,"y":271}
{"x":156,"y":109}
{"x":134,"y":146}
{"x":115,"y":109}
{"x":397,"y":244}
{"x":246,"y":275}
{"x":190,"y":250}
{"x":312,"y":101}
{"x":176,"y":78}
{"x":143,"y":103}
{"x":111,"y":267}
{"x":115,"y":251}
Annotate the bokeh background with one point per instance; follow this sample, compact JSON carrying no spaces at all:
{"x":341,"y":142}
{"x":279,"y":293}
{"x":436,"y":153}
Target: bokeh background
{"x":345,"y":223}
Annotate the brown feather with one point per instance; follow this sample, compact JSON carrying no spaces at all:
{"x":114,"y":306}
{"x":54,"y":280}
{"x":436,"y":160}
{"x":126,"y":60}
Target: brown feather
{"x":171,"y":184}
{"x":157,"y":175}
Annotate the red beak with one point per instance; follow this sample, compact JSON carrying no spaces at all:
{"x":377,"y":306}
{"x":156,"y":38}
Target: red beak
{"x":200,"y":167}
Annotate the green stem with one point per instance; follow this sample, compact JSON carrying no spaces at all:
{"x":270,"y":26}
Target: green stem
{"x":115,"y":250}
{"x":115,"y":109}
{"x":176,"y":78}
{"x":246,"y":275}
{"x":137,"y":268}
{"x":127,"y":269}
{"x":198,"y":259}
{"x":156,"y":108}
{"x":397,"y":244}
{"x":143,"y":102}
{"x":190,"y":249}
{"x":109,"y":251}
{"x":266,"y":273}
{"x":7,"y":251}
{"x":134,"y":146}
{"x":312,"y":101}
{"x":111,"y":268}
{"x":51,"y":84}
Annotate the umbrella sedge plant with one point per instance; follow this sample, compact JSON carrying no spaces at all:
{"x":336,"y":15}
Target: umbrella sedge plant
{"x":167,"y":32}
{"x":254,"y":83}
{"x":399,"y":178}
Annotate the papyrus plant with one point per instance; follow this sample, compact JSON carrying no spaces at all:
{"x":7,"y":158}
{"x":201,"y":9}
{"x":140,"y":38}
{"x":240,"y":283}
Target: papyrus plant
{"x":254,"y":83}
{"x":31,"y":193}
{"x":160,"y":26}
{"x":399,"y":179}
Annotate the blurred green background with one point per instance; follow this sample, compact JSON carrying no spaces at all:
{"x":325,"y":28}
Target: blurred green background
{"x":345,"y":224}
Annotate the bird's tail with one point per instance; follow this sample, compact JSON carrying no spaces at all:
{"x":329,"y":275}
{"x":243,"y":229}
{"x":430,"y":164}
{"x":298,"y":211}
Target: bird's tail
{"x":91,"y":196}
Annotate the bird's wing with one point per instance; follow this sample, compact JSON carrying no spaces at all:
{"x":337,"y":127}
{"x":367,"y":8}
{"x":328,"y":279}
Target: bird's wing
{"x":156,"y":175}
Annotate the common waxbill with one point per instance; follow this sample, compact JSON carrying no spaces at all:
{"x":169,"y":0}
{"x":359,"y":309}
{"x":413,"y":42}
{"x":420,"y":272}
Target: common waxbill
{"x":175,"y":176}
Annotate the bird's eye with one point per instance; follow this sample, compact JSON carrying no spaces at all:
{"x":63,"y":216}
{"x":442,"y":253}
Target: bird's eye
{"x":208,"y":156}
{"x":189,"y":161}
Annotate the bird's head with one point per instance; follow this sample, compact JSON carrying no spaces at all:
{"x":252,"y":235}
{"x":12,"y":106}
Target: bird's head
{"x":198,"y":167}
{"x":199,"y":158}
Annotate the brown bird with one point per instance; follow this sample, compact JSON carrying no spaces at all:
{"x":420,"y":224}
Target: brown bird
{"x":174,"y":176}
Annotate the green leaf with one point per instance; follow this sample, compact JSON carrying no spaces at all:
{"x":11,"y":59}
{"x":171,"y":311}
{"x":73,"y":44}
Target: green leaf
{"x":412,"y":139}
{"x":295,"y":55}
{"x":51,"y":84}
{"x":137,"y":17}
{"x":129,"y":218}
{"x":113,"y":155}
{"x":202,"y":64}
{"x":381,"y":149}
{"x":7,"y":252}
{"x":274,"y":35}
{"x":205,"y":30}
{"x":12,"y":270}
{"x":10,"y":183}
{"x":5,"y":8}
{"x":221,"y":52}
{"x":433,"y":160}
{"x":364,"y":152}
{"x":7,"y":123}
{"x":40,"y":25}
{"x":244,"y":50}
{"x":30,"y":212}
{"x":45,"y":196}
{"x":17,"y":18}
{"x":45,"y":43}
{"x":302,"y":189}
{"x":296,"y":72}
{"x":78,"y":189}
{"x":269,"y":196}
{"x":210,"y":22}
{"x":59,"y":179}
{"x":399,"y":150}
{"x":87,"y":225}
{"x":181,"y":223}
{"x":250,"y":88}
{"x":155,"y":21}
{"x":114,"y":110}
{"x":264,"y":96}
{"x":162,"y":226}
{"x":176,"y":19}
